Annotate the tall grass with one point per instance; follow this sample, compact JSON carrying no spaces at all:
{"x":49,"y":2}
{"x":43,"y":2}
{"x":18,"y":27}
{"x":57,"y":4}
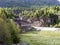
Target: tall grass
{"x":42,"y":37}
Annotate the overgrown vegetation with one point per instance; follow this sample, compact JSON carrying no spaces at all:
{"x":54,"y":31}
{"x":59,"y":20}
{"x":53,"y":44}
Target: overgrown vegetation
{"x":8,"y":31}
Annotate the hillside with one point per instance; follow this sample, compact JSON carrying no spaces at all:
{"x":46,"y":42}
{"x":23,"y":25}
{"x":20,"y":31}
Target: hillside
{"x":28,"y":3}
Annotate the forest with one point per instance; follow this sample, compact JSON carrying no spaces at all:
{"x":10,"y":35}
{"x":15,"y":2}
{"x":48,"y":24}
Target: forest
{"x":9,"y":32}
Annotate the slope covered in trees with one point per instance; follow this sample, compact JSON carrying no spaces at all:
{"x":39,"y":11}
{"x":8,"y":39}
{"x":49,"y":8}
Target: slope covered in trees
{"x":47,"y":13}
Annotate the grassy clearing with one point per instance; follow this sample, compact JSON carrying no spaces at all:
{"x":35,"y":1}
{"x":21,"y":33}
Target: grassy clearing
{"x":41,"y":37}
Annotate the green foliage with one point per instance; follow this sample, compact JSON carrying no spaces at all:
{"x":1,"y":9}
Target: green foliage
{"x":48,"y":12}
{"x":5,"y":35}
{"x":14,"y":32}
{"x":9,"y":32}
{"x":2,"y":13}
{"x":6,"y":13}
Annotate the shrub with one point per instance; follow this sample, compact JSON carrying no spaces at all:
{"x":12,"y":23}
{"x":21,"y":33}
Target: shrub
{"x":8,"y":32}
{"x":5,"y":35}
{"x":14,"y":32}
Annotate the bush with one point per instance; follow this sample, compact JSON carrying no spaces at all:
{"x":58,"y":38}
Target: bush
{"x":14,"y":32}
{"x":8,"y":32}
{"x":5,"y":35}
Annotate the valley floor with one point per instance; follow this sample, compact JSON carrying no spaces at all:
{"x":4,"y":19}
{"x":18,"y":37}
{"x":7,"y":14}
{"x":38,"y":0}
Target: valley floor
{"x":41,"y":38}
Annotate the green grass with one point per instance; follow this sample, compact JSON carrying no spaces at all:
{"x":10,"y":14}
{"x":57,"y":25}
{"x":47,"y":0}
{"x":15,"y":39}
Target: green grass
{"x":41,"y":37}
